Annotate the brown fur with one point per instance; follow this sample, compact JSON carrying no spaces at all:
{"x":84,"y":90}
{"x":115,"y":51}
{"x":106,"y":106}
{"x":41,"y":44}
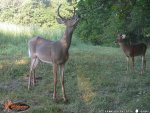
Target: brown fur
{"x":54,"y":52}
{"x":132,"y":51}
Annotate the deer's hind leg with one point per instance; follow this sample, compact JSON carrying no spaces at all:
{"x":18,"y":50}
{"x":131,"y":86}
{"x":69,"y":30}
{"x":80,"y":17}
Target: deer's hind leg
{"x":143,"y":64}
{"x":127,"y":63}
{"x":33,"y":65}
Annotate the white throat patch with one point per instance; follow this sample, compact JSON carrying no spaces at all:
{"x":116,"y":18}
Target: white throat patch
{"x":123,"y":36}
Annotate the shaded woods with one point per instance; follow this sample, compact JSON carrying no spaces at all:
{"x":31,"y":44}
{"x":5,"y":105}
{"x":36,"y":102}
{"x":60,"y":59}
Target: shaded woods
{"x":104,"y":19}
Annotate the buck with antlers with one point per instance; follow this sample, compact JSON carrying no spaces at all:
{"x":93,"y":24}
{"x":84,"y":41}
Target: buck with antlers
{"x":132,"y":50}
{"x":54,"y":52}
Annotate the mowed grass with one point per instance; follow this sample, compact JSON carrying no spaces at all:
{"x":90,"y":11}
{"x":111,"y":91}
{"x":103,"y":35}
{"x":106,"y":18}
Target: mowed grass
{"x":95,"y":79}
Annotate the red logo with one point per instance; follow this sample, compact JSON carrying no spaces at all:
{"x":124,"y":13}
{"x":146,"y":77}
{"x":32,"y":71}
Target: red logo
{"x":10,"y":106}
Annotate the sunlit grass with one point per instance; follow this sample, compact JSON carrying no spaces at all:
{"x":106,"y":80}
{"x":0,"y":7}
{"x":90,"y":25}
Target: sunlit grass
{"x":84,"y":86}
{"x":29,"y":31}
{"x":21,"y":62}
{"x":8,"y":27}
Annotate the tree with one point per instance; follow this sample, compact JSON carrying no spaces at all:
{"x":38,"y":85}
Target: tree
{"x":102,"y":20}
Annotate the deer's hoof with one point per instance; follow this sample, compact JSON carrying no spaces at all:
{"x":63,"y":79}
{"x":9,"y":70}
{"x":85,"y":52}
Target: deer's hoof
{"x":142,"y":73}
{"x":54,"y":97}
{"x":28,"y":88}
{"x":34,"y":83}
{"x":65,"y":99}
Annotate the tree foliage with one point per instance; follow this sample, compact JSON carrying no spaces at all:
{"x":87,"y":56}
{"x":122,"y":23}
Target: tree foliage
{"x":28,"y":12}
{"x":103,"y":20}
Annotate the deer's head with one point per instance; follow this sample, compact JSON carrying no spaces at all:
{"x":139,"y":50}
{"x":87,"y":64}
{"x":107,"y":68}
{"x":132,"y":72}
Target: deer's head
{"x":69,"y":22}
{"x":120,"y":38}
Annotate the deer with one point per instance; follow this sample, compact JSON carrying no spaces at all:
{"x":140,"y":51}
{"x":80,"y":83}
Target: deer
{"x":132,"y":50}
{"x":55,"y":53}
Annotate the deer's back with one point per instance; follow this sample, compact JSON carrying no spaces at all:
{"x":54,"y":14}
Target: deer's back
{"x":37,"y":43}
{"x":135,"y":49}
{"x":47,"y":51}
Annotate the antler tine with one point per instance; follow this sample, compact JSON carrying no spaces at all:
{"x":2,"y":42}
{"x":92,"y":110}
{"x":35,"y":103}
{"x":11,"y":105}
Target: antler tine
{"x":58,"y":12}
{"x":73,"y":11}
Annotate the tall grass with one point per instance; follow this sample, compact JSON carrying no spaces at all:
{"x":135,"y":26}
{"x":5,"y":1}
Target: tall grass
{"x":14,"y":36}
{"x":32,"y":30}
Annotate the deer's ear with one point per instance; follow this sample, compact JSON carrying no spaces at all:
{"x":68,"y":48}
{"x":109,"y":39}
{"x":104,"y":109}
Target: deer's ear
{"x":60,"y":21}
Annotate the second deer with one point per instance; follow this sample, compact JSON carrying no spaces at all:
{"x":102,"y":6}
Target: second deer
{"x":133,"y":50}
{"x":53,"y":52}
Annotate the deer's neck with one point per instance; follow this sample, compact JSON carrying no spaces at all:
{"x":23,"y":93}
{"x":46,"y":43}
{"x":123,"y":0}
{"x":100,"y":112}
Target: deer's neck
{"x":67,"y":37}
{"x":126,"y":48}
{"x":123,"y":45}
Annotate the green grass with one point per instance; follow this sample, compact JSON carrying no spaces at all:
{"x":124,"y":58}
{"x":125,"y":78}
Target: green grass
{"x":95,"y":79}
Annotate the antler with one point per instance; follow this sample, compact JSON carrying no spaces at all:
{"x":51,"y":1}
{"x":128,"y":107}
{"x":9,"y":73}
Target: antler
{"x":59,"y":13}
{"x":73,"y":11}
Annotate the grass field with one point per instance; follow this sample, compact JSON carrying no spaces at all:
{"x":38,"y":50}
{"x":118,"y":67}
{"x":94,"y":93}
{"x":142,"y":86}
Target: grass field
{"x":95,"y":79}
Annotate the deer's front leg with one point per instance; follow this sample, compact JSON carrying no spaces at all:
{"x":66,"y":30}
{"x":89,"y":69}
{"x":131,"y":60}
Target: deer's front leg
{"x":62,"y":81}
{"x":133,"y":64}
{"x":144,"y":63}
{"x":55,"y":79}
